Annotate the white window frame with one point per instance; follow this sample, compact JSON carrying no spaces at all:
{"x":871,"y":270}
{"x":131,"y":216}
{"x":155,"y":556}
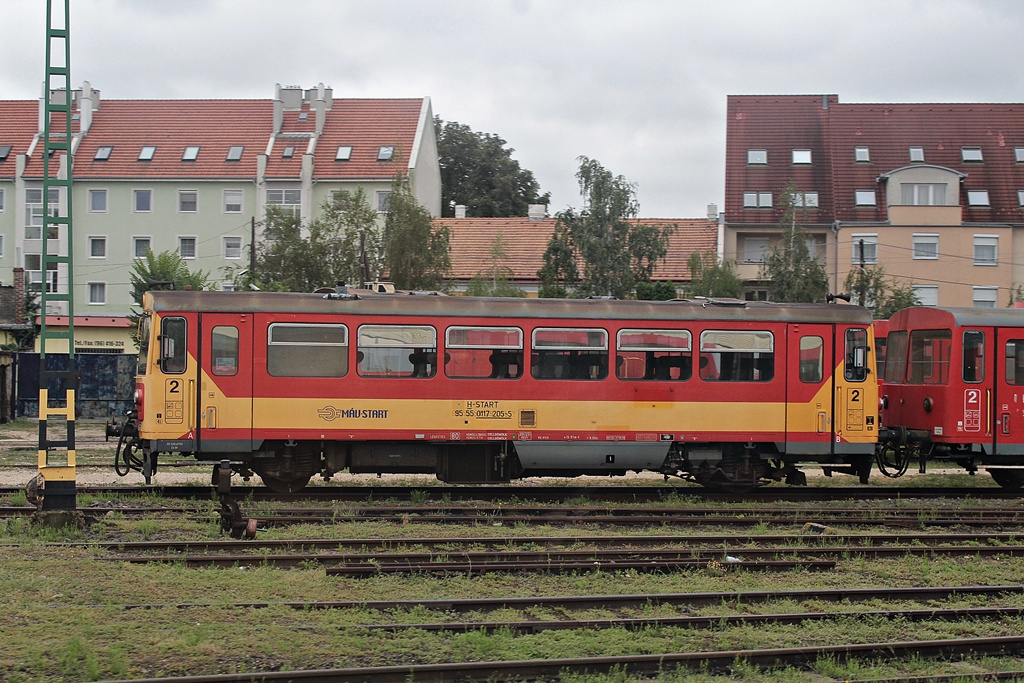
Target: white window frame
{"x":383,"y":200}
{"x":147,"y":153}
{"x":755,"y":247}
{"x":801,"y":157}
{"x":277,"y":196}
{"x":1020,"y":199}
{"x":757,"y":157}
{"x":977,"y":198}
{"x":986,"y":241}
{"x":1,"y":200}
{"x":861,"y":197}
{"x":229,"y":250}
{"x":757,"y":200}
{"x":34,"y":210}
{"x":195,"y":247}
{"x":386,"y":153}
{"x":191,"y":153}
{"x":928,"y":295}
{"x":923,"y":194}
{"x":861,"y":154}
{"x":94,"y":240}
{"x":136,"y":239}
{"x":921,"y":239}
{"x":228,"y":205}
{"x":1018,"y":154}
{"x":971,"y":154}
{"x":984,"y":297}
{"x":344,"y":153}
{"x":1,"y":246}
{"x":805,"y":200}
{"x":135,"y":200}
{"x":182,"y":194}
{"x":916,"y":155}
{"x":870,"y":254}
{"x":97,"y":288}
{"x":93,"y":195}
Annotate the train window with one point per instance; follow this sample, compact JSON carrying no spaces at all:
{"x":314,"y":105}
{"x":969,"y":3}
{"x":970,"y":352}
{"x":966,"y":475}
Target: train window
{"x":224,"y":345}
{"x":397,"y":351}
{"x":929,"y":356}
{"x":896,"y":357}
{"x":307,"y":350}
{"x":737,"y":356}
{"x":483,"y":352}
{"x":856,"y":355}
{"x":812,"y":359}
{"x":143,"y":339}
{"x":172,"y":345}
{"x":569,"y":353}
{"x":1015,"y":361}
{"x":974,"y":356}
{"x":653,"y":354}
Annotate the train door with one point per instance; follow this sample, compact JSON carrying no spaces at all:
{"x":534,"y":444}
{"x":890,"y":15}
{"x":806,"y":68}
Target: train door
{"x":225,"y":391}
{"x":810,"y":415}
{"x":1008,"y":347}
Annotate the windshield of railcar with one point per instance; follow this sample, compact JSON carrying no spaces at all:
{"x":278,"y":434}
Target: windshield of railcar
{"x":929,"y":356}
{"x":143,"y":339}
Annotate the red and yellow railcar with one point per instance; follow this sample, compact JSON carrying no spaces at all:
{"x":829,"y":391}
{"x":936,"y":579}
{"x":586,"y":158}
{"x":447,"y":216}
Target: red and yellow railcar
{"x":953,"y":390}
{"x":477,"y":390}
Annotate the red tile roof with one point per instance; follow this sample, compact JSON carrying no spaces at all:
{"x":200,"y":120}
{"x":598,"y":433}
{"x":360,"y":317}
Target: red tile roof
{"x":217,"y":125}
{"x":19,"y":122}
{"x":472,"y":241}
{"x":832,"y":130}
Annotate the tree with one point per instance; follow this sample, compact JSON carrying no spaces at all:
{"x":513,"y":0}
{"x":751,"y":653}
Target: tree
{"x":711,"y":277}
{"x":342,"y":245}
{"x":496,"y":280}
{"x":794,"y":274}
{"x":166,"y":270}
{"x":616,"y":252}
{"x":559,"y":272}
{"x":656,"y":291}
{"x":872,"y":288}
{"x":478,"y":171}
{"x":415,"y":252}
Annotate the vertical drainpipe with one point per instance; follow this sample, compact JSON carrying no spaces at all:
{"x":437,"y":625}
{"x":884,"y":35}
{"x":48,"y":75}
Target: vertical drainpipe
{"x":836,"y":226}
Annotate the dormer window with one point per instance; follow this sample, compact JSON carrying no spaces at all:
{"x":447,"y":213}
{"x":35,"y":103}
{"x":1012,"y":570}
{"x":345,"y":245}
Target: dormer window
{"x":102,"y":153}
{"x":235,"y":153}
{"x":861,"y":154}
{"x":801,"y":156}
{"x":757,"y":157}
{"x":977,"y":198}
{"x":917,"y":155}
{"x":344,"y":153}
{"x":288,"y":152}
{"x":191,"y":154}
{"x":385,"y":153}
{"x":146,"y":153}
{"x":970,"y":154}
{"x":5,"y":151}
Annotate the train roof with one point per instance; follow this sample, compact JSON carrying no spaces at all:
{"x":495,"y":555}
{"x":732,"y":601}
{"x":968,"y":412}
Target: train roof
{"x":935,"y":316}
{"x":499,"y":308}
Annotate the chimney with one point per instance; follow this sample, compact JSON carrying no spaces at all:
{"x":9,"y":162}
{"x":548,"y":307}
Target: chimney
{"x":712,"y":212}
{"x":278,"y":109}
{"x":460,"y":210}
{"x":19,"y":295}
{"x":537,"y":212}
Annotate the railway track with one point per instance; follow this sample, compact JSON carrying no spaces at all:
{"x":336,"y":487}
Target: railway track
{"x":609,"y":493}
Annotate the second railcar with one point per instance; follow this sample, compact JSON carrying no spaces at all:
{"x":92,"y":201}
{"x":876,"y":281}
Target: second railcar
{"x":953,"y":390}
{"x":475,"y":390}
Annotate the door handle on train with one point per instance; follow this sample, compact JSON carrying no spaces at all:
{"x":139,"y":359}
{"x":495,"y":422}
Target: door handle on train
{"x":1004,"y":419}
{"x":211,"y":417}
{"x":822,"y":423}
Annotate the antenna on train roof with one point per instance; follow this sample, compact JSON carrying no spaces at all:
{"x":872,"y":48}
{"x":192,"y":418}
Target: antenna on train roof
{"x":831,"y":298}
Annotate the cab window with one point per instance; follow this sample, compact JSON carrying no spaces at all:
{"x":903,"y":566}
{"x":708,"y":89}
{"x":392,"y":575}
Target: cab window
{"x":856,"y":355}
{"x":929,"y":356}
{"x":173,"y":353}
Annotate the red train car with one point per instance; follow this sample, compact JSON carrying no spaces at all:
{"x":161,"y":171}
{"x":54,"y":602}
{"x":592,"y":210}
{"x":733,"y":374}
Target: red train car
{"x":954,"y":390}
{"x":727,"y":393}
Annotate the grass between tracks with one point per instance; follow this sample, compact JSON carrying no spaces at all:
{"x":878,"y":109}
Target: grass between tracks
{"x":63,"y":614}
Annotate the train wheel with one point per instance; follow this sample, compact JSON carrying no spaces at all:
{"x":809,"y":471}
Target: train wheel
{"x":1008,"y":479}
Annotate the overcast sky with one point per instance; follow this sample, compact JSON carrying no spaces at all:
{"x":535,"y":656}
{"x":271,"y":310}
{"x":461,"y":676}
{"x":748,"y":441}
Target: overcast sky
{"x":640,"y":86}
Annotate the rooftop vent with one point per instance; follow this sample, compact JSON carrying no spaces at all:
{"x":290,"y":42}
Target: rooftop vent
{"x":460,"y":210}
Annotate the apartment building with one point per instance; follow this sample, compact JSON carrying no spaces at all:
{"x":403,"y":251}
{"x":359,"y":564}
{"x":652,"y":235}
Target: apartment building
{"x":196,"y":177}
{"x":932,"y":192}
